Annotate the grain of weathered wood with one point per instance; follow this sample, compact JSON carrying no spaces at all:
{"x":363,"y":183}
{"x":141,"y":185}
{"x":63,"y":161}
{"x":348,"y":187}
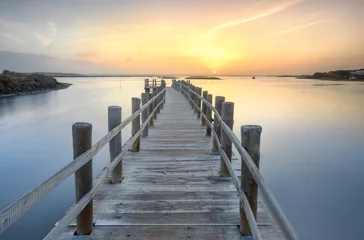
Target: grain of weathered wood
{"x":204,"y":95}
{"x":250,"y":140}
{"x":228,"y":118}
{"x":208,"y":114}
{"x":135,"y":127}
{"x":82,"y":141}
{"x":144,"y":114}
{"x":171,"y":188}
{"x":114,"y":117}
{"x":217,"y":126}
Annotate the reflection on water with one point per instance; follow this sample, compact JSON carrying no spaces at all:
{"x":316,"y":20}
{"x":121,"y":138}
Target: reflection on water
{"x":311,"y":153}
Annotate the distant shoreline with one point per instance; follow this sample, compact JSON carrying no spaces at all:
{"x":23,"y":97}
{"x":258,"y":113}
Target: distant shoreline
{"x":17,"y":84}
{"x":64,"y":86}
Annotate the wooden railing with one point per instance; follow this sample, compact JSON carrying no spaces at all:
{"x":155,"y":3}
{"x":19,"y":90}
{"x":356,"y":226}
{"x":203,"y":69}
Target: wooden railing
{"x":249,"y":150}
{"x":82,"y":164}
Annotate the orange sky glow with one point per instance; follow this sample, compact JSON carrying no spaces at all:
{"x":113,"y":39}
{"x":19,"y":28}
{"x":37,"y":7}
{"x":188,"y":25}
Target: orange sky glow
{"x":197,"y":37}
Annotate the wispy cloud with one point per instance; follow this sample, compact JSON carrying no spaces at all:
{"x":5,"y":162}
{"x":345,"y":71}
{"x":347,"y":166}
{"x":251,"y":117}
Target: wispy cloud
{"x":52,"y":26}
{"x":45,"y":41}
{"x":12,"y":38}
{"x":302,"y":26}
{"x":267,"y":13}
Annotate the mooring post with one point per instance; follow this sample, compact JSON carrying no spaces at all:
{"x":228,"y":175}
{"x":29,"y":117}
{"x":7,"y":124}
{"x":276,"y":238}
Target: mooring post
{"x":135,"y":124}
{"x":191,"y":96}
{"x":155,"y":103}
{"x":217,"y":125}
{"x":82,"y":141}
{"x":158,"y":99}
{"x":151,"y":121}
{"x":194,"y":98}
{"x":228,"y":118}
{"x":208,"y":114}
{"x":144,"y":114}
{"x":198,"y":101}
{"x":114,"y":119}
{"x":250,"y":140}
{"x":204,"y":95}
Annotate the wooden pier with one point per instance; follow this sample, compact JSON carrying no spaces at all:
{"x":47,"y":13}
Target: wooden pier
{"x":174,"y":182}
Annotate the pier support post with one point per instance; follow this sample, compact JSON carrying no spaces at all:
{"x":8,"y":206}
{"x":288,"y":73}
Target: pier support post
{"x":198,"y":101}
{"x":217,"y":125}
{"x":114,"y":116}
{"x":159,"y":99}
{"x":151,"y":121}
{"x":135,"y":124}
{"x":82,"y":141}
{"x":145,"y":114}
{"x":250,"y":140}
{"x":208,"y":114}
{"x":194,"y":98}
{"x":228,"y":118}
{"x":191,"y":96}
{"x":204,"y":95}
{"x":155,"y":103}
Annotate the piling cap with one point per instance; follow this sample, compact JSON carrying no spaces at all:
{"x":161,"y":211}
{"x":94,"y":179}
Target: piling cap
{"x":248,"y":128}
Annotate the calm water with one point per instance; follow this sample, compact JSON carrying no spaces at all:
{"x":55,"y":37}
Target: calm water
{"x":311,"y":154}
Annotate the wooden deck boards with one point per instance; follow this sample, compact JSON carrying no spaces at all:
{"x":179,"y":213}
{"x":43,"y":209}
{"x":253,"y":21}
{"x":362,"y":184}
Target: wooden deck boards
{"x":171,"y":188}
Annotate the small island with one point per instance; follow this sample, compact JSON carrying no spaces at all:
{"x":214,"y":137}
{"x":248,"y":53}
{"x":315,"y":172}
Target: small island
{"x":202,"y":77}
{"x":13,"y":83}
{"x":338,"y":75}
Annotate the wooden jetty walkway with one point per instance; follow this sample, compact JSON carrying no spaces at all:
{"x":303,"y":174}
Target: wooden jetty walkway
{"x":174,"y":184}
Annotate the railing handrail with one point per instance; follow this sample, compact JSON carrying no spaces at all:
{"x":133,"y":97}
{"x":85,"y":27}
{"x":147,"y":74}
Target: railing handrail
{"x":77,"y":208}
{"x":17,"y":209}
{"x":267,"y":195}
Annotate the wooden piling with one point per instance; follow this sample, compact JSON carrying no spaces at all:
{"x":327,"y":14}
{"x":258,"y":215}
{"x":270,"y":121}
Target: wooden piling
{"x":217,"y":125}
{"x":198,"y":101}
{"x":150,"y":108}
{"x":227,"y":115}
{"x":204,"y":95}
{"x":135,"y":125}
{"x":155,"y":103}
{"x":114,"y":119}
{"x":208,"y":114}
{"x":250,"y":140}
{"x":145,"y":114}
{"x":159,"y":98}
{"x":82,"y":141}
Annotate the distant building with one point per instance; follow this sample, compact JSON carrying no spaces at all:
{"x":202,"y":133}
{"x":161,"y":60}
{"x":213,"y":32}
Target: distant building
{"x":359,"y":74}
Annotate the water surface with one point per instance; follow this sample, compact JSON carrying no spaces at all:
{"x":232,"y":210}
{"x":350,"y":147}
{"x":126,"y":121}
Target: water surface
{"x":311,"y":151}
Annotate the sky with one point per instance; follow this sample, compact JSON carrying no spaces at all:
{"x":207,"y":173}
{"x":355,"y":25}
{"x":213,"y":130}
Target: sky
{"x":182,"y":37}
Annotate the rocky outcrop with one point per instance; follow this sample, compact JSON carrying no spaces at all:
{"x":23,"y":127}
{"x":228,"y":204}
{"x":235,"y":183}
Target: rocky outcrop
{"x":12,"y":83}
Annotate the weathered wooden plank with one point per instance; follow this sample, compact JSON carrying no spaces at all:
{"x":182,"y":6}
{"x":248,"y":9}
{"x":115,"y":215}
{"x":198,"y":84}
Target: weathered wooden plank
{"x":171,"y":188}
{"x":166,"y":232}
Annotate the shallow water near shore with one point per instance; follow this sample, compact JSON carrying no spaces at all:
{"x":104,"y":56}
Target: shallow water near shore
{"x":311,"y":152}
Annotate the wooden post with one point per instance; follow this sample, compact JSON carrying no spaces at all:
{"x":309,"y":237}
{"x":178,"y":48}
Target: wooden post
{"x":82,"y":141}
{"x":198,"y":101}
{"x":204,"y":95}
{"x":145,"y":114}
{"x":158,"y":99}
{"x":194,"y":98}
{"x":191,"y":96}
{"x":250,"y":140}
{"x":151,"y":121}
{"x":228,"y":118}
{"x":217,"y":125}
{"x":135,"y":124}
{"x":155,"y":103}
{"x":208,"y":114}
{"x":114,"y":116}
